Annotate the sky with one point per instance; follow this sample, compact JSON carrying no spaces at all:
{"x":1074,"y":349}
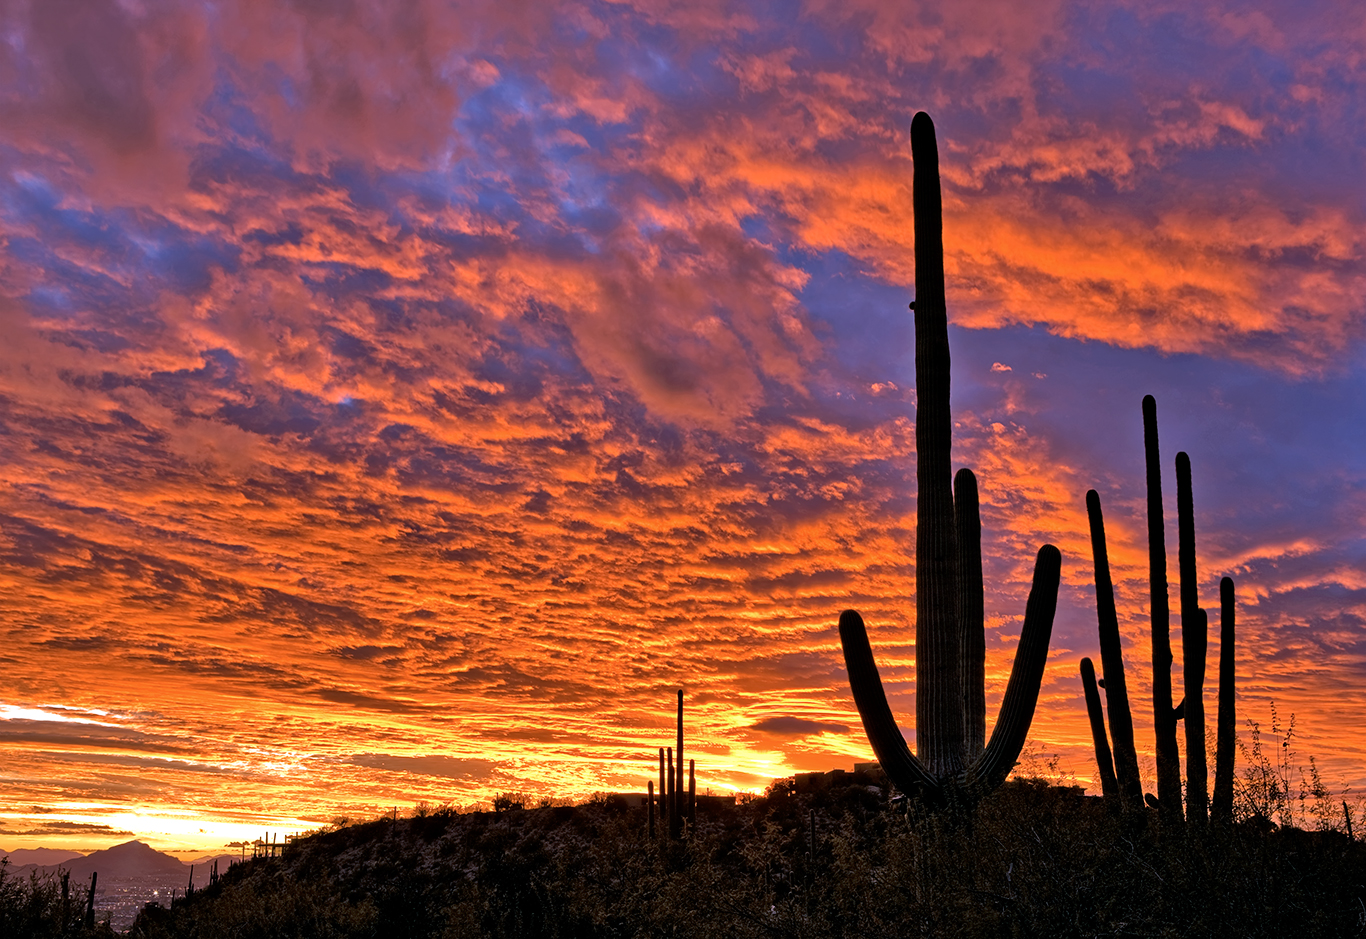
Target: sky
{"x":400,"y":401}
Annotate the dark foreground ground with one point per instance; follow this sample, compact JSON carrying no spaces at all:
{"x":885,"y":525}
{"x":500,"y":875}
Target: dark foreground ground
{"x":1031,"y":860}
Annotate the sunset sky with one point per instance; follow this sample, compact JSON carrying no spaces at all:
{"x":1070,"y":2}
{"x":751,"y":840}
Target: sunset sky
{"x":400,"y":401}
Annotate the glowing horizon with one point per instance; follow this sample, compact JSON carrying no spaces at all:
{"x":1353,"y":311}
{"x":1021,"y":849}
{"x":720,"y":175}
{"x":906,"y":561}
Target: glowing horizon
{"x":398,"y":402}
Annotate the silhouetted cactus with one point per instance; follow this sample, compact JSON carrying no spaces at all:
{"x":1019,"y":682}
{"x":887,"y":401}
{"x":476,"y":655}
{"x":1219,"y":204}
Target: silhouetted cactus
{"x":671,"y":799}
{"x":1194,"y":635}
{"x":1130,"y":786}
{"x":1194,"y":645}
{"x":692,"y":793}
{"x":90,"y":901}
{"x":677,"y":799}
{"x":676,"y":809}
{"x":1109,"y":786}
{"x":1221,"y":806}
{"x":950,"y":648}
{"x":650,"y":806}
{"x":1164,"y":715}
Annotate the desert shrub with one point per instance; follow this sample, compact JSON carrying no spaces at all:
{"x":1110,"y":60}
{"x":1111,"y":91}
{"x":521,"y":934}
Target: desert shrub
{"x":1262,"y":790}
{"x":258,"y":907}
{"x":505,"y":801}
{"x":32,"y":907}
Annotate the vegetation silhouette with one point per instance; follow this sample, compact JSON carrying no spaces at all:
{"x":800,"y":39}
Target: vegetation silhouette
{"x":44,"y":905}
{"x":676,"y":802}
{"x":953,"y":762}
{"x":1119,"y":772}
{"x":845,"y":860}
{"x":1029,"y":858}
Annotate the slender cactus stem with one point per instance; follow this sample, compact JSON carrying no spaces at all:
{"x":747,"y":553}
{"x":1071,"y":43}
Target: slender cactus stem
{"x":1221,"y":806}
{"x":672,"y":798}
{"x":663,"y":793}
{"x":1194,"y":643}
{"x":679,"y":790}
{"x":692,"y":794}
{"x":971,"y":613}
{"x":1164,"y":716}
{"x":1105,"y":764}
{"x":1026,"y":675}
{"x":1112,"y":665}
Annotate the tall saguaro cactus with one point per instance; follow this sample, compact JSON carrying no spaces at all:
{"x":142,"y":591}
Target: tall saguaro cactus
{"x":950,"y":646}
{"x":1164,"y":715}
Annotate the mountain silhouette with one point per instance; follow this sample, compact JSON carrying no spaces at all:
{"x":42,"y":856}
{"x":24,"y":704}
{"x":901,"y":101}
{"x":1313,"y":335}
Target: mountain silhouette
{"x":23,"y":856}
{"x":126,"y":861}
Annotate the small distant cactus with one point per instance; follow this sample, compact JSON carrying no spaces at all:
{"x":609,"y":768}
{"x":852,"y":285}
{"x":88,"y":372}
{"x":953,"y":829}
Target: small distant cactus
{"x":692,"y":792}
{"x":953,"y":753}
{"x":90,"y":901}
{"x":676,"y":807}
{"x":1123,"y":768}
{"x":677,"y":799}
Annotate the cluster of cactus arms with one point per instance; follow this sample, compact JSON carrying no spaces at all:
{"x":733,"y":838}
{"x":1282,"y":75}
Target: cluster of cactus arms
{"x":953,"y":753}
{"x":677,"y":802}
{"x":1118,"y":767}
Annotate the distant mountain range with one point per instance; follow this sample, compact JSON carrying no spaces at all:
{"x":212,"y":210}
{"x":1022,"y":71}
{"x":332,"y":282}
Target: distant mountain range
{"x":22,"y":857}
{"x":131,"y":860}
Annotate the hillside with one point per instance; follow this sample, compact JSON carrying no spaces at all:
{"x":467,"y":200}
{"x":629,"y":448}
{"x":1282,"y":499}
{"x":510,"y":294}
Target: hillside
{"x":1030,"y":860}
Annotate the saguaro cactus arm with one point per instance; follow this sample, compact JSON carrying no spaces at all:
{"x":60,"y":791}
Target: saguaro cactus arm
{"x":1017,"y":708}
{"x":1105,"y":764}
{"x":1026,"y":675}
{"x":971,"y":613}
{"x":905,"y":771}
{"x":1193,"y":641}
{"x":1112,"y":665}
